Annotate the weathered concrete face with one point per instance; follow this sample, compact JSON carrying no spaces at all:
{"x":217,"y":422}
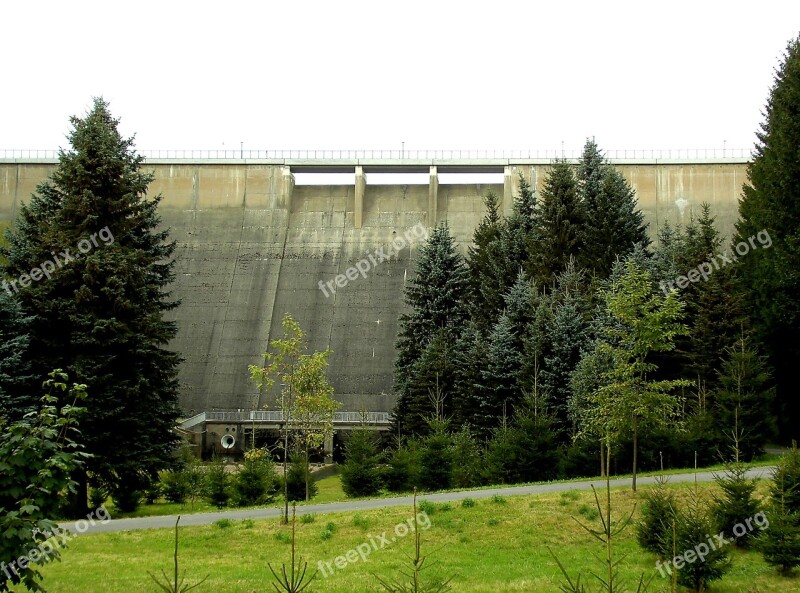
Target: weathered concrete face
{"x":251,"y":247}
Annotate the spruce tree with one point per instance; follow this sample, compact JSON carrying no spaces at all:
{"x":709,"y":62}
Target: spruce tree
{"x":361,"y":472}
{"x":16,"y":378}
{"x":498,"y":391}
{"x":560,"y":222}
{"x":744,"y":399}
{"x":614,"y":223}
{"x":436,"y":299}
{"x":694,"y":525}
{"x":769,"y":275}
{"x":517,"y":238}
{"x":568,"y":336}
{"x":99,"y":315}
{"x":468,"y":357}
{"x":486,"y":266}
{"x":780,"y":542}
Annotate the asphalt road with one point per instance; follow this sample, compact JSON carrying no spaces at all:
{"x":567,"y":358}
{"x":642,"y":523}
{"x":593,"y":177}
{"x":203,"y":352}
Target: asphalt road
{"x":374,"y":503}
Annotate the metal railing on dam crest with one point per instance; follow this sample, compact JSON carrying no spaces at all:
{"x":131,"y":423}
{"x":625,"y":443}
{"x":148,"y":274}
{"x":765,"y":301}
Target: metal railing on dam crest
{"x":287,"y":156}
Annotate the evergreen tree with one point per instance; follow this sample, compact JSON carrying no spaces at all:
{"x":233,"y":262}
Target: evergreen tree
{"x":735,"y":503}
{"x":780,"y":543}
{"x":614,"y":224}
{"x":769,"y":276}
{"x":498,"y":392}
{"x":744,"y":399}
{"x":560,"y":222}
{"x":437,"y":301}
{"x":693,"y":526}
{"x":436,"y":459}
{"x":485,"y":266}
{"x":218,"y":484}
{"x":100,"y":313}
{"x":517,"y":238}
{"x":654,"y":528}
{"x":16,"y":378}
{"x":361,"y":472}
{"x":468,"y":357}
{"x":526,"y":451}
{"x":568,"y":337}
{"x":467,"y":461}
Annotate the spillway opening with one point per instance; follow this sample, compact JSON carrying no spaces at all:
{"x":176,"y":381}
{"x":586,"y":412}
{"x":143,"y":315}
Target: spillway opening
{"x":309,"y":178}
{"x":324,"y":178}
{"x":470,"y":178}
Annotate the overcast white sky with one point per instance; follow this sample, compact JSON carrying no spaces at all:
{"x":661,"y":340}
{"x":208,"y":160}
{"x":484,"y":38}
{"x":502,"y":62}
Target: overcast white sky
{"x":467,"y":75}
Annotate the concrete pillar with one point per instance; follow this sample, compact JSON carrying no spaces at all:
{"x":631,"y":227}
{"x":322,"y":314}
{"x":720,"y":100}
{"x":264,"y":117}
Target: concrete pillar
{"x":327,"y":448}
{"x":287,"y":187}
{"x":433,"y":197}
{"x":508,"y":191}
{"x":361,"y":188}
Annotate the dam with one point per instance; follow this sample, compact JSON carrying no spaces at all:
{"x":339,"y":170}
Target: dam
{"x":255,"y":241}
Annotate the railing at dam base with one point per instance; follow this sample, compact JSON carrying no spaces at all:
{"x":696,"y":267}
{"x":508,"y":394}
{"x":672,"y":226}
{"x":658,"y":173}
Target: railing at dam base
{"x":278,"y":417}
{"x":412,"y":155}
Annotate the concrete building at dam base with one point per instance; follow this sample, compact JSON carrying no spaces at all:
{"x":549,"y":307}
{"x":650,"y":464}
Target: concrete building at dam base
{"x":255,"y":242}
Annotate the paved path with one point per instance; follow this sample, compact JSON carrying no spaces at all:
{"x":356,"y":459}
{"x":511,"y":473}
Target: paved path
{"x":381,"y":503}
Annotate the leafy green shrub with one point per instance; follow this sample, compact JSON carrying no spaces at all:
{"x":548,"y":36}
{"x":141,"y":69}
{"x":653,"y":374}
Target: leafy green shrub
{"x":497,"y":499}
{"x":361,"y":522}
{"x":328,"y":532}
{"x":308,"y":518}
{"x":468,"y":503}
{"x":98,"y":495}
{"x":589,"y":512}
{"x":127,"y":500}
{"x":426,"y":507}
{"x":283,"y":537}
{"x":222,"y":523}
{"x":174,"y":486}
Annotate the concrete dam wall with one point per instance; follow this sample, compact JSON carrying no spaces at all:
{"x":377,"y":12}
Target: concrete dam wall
{"x":252,"y":245}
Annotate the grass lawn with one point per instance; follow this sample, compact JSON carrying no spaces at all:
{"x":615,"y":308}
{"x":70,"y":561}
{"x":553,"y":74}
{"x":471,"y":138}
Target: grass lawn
{"x":497,"y":545}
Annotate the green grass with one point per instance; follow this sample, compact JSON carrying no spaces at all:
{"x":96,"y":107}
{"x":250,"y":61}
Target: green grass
{"x":489,"y":547}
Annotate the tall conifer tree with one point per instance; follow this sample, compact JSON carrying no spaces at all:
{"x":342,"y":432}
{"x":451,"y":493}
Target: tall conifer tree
{"x":770,"y":276}
{"x":99,"y":315}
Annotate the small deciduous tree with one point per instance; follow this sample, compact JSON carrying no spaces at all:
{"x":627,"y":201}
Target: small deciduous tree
{"x":38,"y":457}
{"x":642,"y":321}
